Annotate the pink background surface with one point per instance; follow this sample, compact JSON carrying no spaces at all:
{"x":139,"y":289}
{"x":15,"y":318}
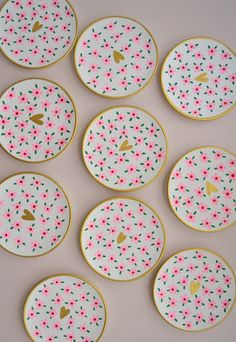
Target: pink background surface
{"x":131,"y":313}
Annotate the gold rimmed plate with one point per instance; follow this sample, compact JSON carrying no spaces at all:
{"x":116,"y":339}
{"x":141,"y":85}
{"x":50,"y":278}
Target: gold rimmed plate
{"x":201,"y":188}
{"x":122,"y":239}
{"x":37,"y":120}
{"x":194,"y":289}
{"x":115,"y":57}
{"x":124,"y":148}
{"x":35,"y":214}
{"x":36,"y":34}
{"x":199,"y":78}
{"x":65,"y":307}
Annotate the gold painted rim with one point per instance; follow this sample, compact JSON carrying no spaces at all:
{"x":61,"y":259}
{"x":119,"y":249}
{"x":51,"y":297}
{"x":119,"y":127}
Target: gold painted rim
{"x":166,"y":95}
{"x":104,"y":112}
{"x":132,"y":199}
{"x":75,"y":124}
{"x":65,"y":275}
{"x":69,"y":206}
{"x":45,"y":66}
{"x":168,"y":189}
{"x":193,"y":249}
{"x":121,"y":17}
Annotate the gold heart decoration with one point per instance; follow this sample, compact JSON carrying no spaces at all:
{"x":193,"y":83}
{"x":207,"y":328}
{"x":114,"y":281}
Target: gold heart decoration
{"x":37,"y":26}
{"x":210,"y":188}
{"x":118,"y":56}
{"x":28,"y":216}
{"x":202,"y":77}
{"x":64,"y":312}
{"x":125,"y":146}
{"x":37,"y":119}
{"x":121,"y":238}
{"x":194,"y":287}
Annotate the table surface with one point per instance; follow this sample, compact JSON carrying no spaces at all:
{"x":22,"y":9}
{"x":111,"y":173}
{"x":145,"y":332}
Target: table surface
{"x":131,"y":313}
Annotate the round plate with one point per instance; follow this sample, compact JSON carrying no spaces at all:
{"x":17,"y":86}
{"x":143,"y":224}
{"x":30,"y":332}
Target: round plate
{"x":116,"y":57}
{"x":37,"y":120}
{"x":36,"y":34}
{"x":65,"y":308}
{"x":122,"y":239}
{"x":201,"y":189}
{"x":124,"y":148}
{"x":199,"y":78}
{"x":34,"y":214}
{"x":194,"y":289}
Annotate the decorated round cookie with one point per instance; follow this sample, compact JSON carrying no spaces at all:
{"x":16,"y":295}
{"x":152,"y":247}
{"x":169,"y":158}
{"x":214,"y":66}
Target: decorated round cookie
{"x":116,"y":57}
{"x":34,"y":214}
{"x":122,"y":239}
{"x":124,"y":148}
{"x":199,"y":78}
{"x":194,"y":289}
{"x":35,"y":33}
{"x":37,"y":120}
{"x":201,"y":189}
{"x":65,"y":308}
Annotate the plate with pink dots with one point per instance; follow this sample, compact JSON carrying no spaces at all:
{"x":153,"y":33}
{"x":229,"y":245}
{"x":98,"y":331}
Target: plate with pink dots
{"x":36,"y":34}
{"x":124,"y":148}
{"x":115,"y":57}
{"x":37,"y":120}
{"x":122,"y":239}
{"x":65,"y":307}
{"x":35,"y":214}
{"x":201,"y":188}
{"x":194,"y":289}
{"x":199,"y":78}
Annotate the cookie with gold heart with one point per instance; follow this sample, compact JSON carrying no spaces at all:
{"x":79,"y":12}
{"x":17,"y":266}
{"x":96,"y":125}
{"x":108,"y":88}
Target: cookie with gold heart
{"x":124,"y":148}
{"x":201,"y":188}
{"x":35,"y":214}
{"x":37,"y":120}
{"x":199,"y":78}
{"x":36,"y":34}
{"x":116,"y":57}
{"x":194,"y":289}
{"x":65,"y":307}
{"x":122,"y":239}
